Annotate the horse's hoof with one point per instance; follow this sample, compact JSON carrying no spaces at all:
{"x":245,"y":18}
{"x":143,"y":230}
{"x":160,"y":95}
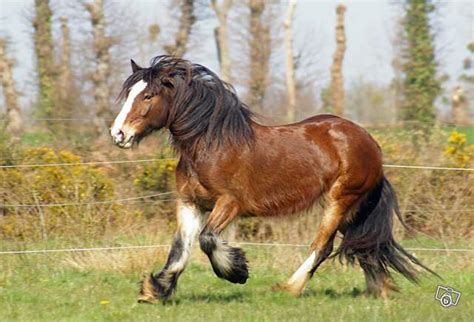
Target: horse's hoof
{"x":147,"y":290}
{"x":230,"y":265}
{"x":144,"y":299}
{"x":296,"y":292}
{"x":240,"y":270}
{"x":278,"y":287}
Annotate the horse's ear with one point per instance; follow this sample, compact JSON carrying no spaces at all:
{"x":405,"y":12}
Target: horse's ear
{"x":167,"y":81}
{"x":135,"y":67}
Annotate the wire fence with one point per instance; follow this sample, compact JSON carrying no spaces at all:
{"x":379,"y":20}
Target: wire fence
{"x":101,"y":202}
{"x":141,"y":199}
{"x":114,"y":162}
{"x":92,"y":163}
{"x":397,"y":123}
{"x":88,"y":163}
{"x":144,"y":197}
{"x":246,"y":243}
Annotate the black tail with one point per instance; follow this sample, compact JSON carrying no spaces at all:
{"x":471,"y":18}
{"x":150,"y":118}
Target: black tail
{"x":369,"y":238}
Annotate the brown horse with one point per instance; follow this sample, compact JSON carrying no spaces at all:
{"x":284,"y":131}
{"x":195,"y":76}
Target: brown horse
{"x":231,"y":166}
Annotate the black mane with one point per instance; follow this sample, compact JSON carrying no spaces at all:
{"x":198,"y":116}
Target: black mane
{"x":202,"y":105}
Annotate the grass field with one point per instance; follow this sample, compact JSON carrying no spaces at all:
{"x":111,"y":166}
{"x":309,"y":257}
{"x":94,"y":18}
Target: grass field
{"x":47,"y":287}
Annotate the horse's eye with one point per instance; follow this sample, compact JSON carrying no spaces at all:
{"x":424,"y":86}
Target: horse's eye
{"x":147,"y":97}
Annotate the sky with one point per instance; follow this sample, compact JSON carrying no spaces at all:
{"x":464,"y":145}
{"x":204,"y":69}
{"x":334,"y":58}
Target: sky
{"x":370,"y":25}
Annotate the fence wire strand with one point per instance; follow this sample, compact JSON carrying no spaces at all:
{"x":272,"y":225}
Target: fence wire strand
{"x":142,"y":247}
{"x":85,"y":203}
{"x":91,"y":163}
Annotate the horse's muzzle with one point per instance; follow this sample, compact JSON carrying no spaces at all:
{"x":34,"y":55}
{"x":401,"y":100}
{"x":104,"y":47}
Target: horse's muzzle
{"x":121,"y":139}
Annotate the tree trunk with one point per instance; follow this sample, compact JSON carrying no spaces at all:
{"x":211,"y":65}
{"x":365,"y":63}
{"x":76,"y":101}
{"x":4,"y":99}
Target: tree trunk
{"x":44,"y":49}
{"x":260,"y":43}
{"x":290,"y":65}
{"x":186,"y":22}
{"x":337,"y":82}
{"x":221,"y":37}
{"x":65,"y":78}
{"x":102,"y":45}
{"x":13,"y":126}
{"x":458,"y":106}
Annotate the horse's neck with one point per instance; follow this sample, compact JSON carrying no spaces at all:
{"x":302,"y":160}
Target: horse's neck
{"x":188,"y":150}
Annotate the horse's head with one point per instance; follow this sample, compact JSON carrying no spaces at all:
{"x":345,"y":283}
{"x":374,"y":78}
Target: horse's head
{"x":145,"y":109}
{"x":188,"y":99}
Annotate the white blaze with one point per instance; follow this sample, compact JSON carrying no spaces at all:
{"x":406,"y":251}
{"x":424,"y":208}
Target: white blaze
{"x":136,"y":89}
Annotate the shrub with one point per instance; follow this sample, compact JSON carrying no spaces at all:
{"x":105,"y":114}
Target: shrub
{"x":23,"y":191}
{"x":458,"y":150}
{"x":159,"y":177}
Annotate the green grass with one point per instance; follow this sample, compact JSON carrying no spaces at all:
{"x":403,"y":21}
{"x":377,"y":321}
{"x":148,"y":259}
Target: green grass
{"x":43,"y":288}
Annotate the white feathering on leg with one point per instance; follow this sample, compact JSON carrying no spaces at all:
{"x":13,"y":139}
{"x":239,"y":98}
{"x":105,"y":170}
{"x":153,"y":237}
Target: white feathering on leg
{"x":190,"y":223}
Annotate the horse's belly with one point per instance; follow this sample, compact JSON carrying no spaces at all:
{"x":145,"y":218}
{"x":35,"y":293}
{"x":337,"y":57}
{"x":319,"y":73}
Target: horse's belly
{"x":282,"y":195}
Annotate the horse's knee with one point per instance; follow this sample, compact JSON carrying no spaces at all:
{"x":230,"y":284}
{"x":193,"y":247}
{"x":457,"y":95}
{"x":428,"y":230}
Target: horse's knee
{"x":207,"y":242}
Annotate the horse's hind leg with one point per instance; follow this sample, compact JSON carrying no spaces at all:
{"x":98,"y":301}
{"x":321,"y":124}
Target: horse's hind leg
{"x":162,"y":285}
{"x":334,"y":214}
{"x":227,"y":262}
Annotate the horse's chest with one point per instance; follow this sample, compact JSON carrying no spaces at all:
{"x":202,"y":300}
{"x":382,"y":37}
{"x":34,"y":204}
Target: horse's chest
{"x":190,"y":187}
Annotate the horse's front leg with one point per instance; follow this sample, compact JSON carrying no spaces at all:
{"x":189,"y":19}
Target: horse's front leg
{"x":227,"y":262}
{"x":160,"y":286}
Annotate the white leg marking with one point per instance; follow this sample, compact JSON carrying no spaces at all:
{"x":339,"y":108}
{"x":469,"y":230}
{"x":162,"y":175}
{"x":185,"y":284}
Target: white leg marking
{"x":135,"y":90}
{"x":189,"y":218}
{"x":298,"y":280}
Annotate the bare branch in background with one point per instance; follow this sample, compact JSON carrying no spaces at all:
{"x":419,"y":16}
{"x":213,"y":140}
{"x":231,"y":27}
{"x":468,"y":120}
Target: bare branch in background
{"x":337,"y":82}
{"x":290,"y":65}
{"x":260,"y":51}
{"x":221,"y":36}
{"x":14,"y":122}
{"x":65,"y":76}
{"x":186,"y":21}
{"x":398,"y":42}
{"x":102,"y":45}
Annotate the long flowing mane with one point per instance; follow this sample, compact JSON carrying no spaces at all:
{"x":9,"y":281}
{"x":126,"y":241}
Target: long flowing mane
{"x":202,"y":105}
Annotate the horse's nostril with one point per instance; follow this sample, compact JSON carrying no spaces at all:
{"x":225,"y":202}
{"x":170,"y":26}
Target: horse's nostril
{"x":120,"y":135}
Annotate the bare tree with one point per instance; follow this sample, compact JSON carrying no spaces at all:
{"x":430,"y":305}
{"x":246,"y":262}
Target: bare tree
{"x":186,"y":21}
{"x":65,"y":77}
{"x":337,"y":82}
{"x":13,"y":125}
{"x":102,"y":44}
{"x":260,"y":51}
{"x":221,"y":36}
{"x":44,"y":50}
{"x":290,"y":65}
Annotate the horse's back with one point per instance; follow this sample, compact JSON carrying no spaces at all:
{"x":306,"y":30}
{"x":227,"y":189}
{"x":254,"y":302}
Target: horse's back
{"x":357,"y":150}
{"x":320,"y":118}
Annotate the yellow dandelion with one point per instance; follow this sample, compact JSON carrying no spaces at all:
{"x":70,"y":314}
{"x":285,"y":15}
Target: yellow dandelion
{"x":104,"y":302}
